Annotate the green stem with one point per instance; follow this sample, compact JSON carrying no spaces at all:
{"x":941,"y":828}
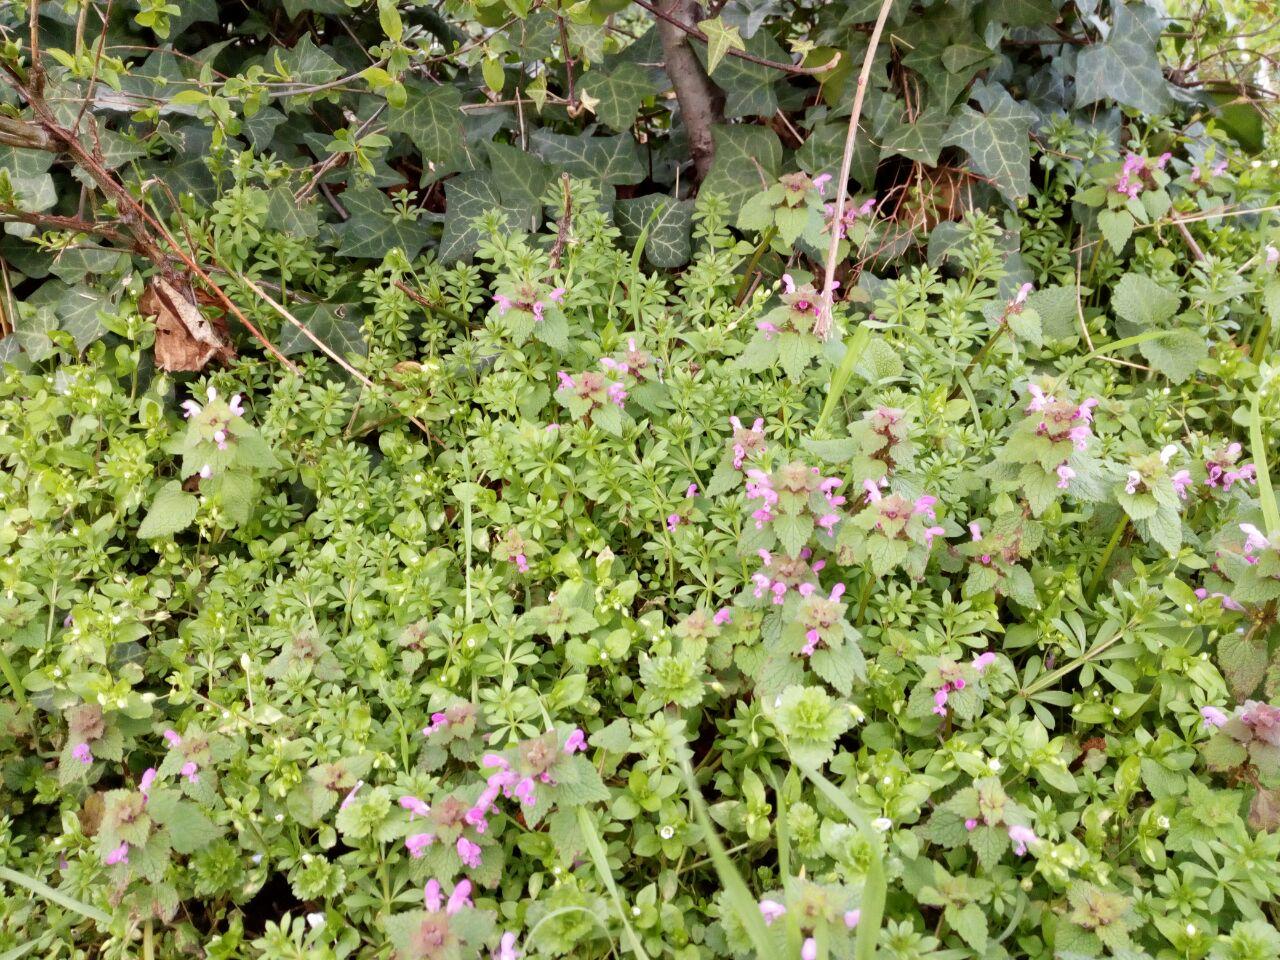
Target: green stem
{"x":1097,"y":650}
{"x":6,"y":667}
{"x":1101,"y":570}
{"x":766,"y":238}
{"x":978,"y":357}
{"x":55,"y":896}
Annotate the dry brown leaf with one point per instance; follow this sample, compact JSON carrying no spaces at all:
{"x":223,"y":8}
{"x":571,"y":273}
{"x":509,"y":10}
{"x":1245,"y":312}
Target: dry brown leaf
{"x":186,"y":340}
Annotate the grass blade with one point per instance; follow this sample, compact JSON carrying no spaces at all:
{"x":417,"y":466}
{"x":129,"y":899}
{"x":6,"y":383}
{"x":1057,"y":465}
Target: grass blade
{"x":56,"y":896}
{"x":735,"y":887}
{"x":843,"y":374}
{"x":873,"y":892}
{"x":600,"y":857}
{"x":1266,"y":493}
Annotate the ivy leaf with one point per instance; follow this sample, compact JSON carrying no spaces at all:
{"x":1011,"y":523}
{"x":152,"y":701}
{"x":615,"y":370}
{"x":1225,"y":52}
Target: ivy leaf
{"x":431,"y":119}
{"x":288,"y":216}
{"x":374,"y":227}
{"x":750,"y":89}
{"x":306,"y":64}
{"x":920,"y":140}
{"x":619,"y":93}
{"x":610,"y":160}
{"x":1018,"y":13}
{"x":720,"y":40}
{"x":669,"y":222}
{"x":521,"y":177}
{"x":996,"y":140}
{"x":337,"y":325}
{"x":747,"y":159}
{"x":57,"y":306}
{"x":1125,"y":67}
{"x":172,"y":511}
{"x":470,"y":196}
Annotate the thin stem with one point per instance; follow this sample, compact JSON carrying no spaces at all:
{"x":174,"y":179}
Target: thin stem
{"x":1105,"y":559}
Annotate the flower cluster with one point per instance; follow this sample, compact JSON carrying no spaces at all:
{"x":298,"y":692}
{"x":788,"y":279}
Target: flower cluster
{"x":528,"y":297}
{"x":953,"y":680}
{"x":785,"y":573}
{"x":796,"y":491}
{"x":1221,"y":470}
{"x":747,"y":444}
{"x":852,"y":214}
{"x":1135,"y":173}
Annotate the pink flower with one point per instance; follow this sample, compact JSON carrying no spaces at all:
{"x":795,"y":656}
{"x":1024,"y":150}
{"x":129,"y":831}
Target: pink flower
{"x":1246,"y":474}
{"x":192,"y":772}
{"x":975,"y":531}
{"x":925,"y":505}
{"x":351,"y":795}
{"x":1228,"y":603}
{"x":1135,"y":478}
{"x":235,"y":406}
{"x":723,"y":616}
{"x":191,"y":409}
{"x":220,"y":438}
{"x":812,"y":638}
{"x":771,"y":910}
{"x":1065,"y":474}
{"x":1255,"y":539}
{"x":524,"y":792}
{"x":1273,"y":255}
{"x":673,"y":521}
{"x":1024,"y":291}
{"x":206,"y":472}
{"x":1085,"y":410}
{"x":438,"y":722}
{"x":940,"y":700}
{"x":617,"y":394}
{"x":477,"y":816}
{"x":172,"y":738}
{"x":522,"y":563}
{"x":767,"y":328}
{"x":971,"y":824}
{"x":82,"y":753}
{"x":566,"y":381}
{"x":577,"y":740}
{"x":1039,"y":399}
{"x":417,"y":843}
{"x":556,"y":295}
{"x":460,"y":899}
{"x":468,"y":852}
{"x":852,"y":918}
{"x":820,"y":182}
{"x":432,"y":896}
{"x":828,"y":522}
{"x":507,"y":948}
{"x":692,"y":491}
{"x":1212,"y":717}
{"x":982,"y":661}
{"x":1021,"y":836}
{"x":1181,"y":481}
{"x":837,"y":591}
{"x":930,"y":533}
{"x":503,"y":302}
{"x":416,"y":807}
{"x":809,"y":949}
{"x":148,"y":778}
{"x":873,"y":491}
{"x":1080,"y":436}
{"x":788,"y":283}
{"x":119,"y":855}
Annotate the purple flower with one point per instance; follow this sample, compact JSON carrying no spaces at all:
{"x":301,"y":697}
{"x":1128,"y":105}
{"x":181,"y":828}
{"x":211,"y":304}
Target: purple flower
{"x":524,"y":792}
{"x":477,"y":816}
{"x":852,"y":918}
{"x":673,"y":521}
{"x":235,"y":406}
{"x":1273,"y":255}
{"x":468,"y":852}
{"x":1021,"y":836}
{"x":417,"y":843}
{"x":507,"y":948}
{"x":503,"y":303}
{"x":1211,"y":717}
{"x":119,"y":855}
{"x":172,"y":738}
{"x":809,"y":949}
{"x":191,"y":771}
{"x":415,"y":807}
{"x":432,"y":896}
{"x":975,"y":531}
{"x":971,"y":824}
{"x":556,"y":295}
{"x":148,"y":778}
{"x":522,"y":563}
{"x":930,"y":533}
{"x":1024,"y":291}
{"x":982,"y":661}
{"x":82,"y":753}
{"x":191,"y":409}
{"x":1181,"y":481}
{"x":925,"y":505}
{"x":723,"y":616}
{"x":1255,"y":540}
{"x":1131,"y":486}
{"x":460,"y":899}
{"x":1065,"y":474}
{"x":577,"y":740}
{"x":771,"y":910}
{"x":351,"y":796}
{"x":206,"y":472}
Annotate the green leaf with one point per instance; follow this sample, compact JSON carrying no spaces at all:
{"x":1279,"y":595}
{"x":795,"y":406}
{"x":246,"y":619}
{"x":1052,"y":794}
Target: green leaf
{"x":620,"y":91}
{"x":521,"y":177}
{"x":750,"y":89}
{"x":431,"y":118}
{"x":919,"y":140}
{"x":747,"y":159}
{"x":1143,"y":302}
{"x":1243,"y":661}
{"x":996,"y":140}
{"x":610,"y":160}
{"x":468,"y":197}
{"x":600,"y":860}
{"x":669,"y":223}
{"x":970,"y":922}
{"x":40,"y":889}
{"x":337,"y":325}
{"x":285,"y":214}
{"x":1125,"y":67}
{"x":720,"y":40}
{"x":1116,"y":227}
{"x":374,"y":228}
{"x":306,"y":64}
{"x":1176,"y":354}
{"x":172,"y":510}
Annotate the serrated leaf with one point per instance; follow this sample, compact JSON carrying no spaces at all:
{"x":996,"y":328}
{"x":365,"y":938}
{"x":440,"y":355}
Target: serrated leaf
{"x":996,"y":140}
{"x":970,"y":922}
{"x":793,"y":532}
{"x":374,"y":228}
{"x":1243,"y":661}
{"x":610,"y":160}
{"x":669,"y":223}
{"x":1176,"y":354}
{"x":1116,"y":226}
{"x":431,"y":118}
{"x":172,"y":511}
{"x":1143,"y":302}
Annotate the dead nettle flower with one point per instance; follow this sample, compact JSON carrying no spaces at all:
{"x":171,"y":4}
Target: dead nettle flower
{"x":1228,"y":603}
{"x":1272,"y":255}
{"x":350,"y":798}
{"x":746,"y":443}
{"x":595,"y":389}
{"x":459,"y":715}
{"x":1262,"y":721}
{"x":119,"y":855}
{"x":82,"y":753}
{"x":852,"y":214}
{"x":1211,"y":718}
{"x":148,"y":778}
{"x":1021,"y":837}
{"x":1135,"y":174}
{"x":507,"y":948}
{"x":415,"y":806}
{"x":895,"y":517}
{"x":1255,"y":542}
{"x":771,"y":910}
{"x":953,"y":680}
{"x":459,"y":899}
{"x":1062,"y":422}
{"x":417,"y":843}
{"x":817,"y":615}
{"x":785,"y":573}
{"x":216,"y":416}
{"x":1220,"y":468}
{"x":1217,"y":170}
{"x":528,"y":297}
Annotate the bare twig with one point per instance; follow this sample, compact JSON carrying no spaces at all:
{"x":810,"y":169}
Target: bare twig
{"x":1186,"y":235}
{"x":562,"y":236}
{"x":740,"y":54}
{"x":35,"y":75}
{"x":823,"y":324}
{"x":333,"y":159}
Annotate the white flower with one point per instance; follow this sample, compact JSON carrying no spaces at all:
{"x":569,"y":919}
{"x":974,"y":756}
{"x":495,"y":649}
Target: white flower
{"x":667,"y":832}
{"x":882,"y":824}
{"x":315,"y":920}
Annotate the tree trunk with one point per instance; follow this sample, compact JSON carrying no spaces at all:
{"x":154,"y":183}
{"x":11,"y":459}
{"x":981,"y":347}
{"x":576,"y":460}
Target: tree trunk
{"x":701,"y":101}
